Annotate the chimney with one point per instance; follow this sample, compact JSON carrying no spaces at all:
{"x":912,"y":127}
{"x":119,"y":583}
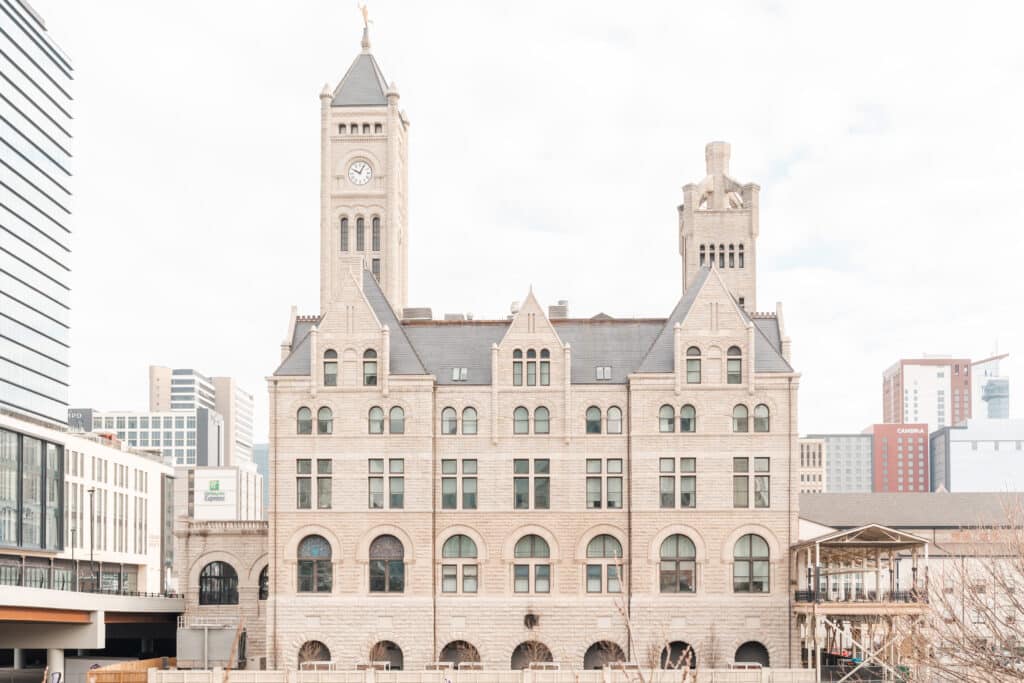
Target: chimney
{"x":559,"y":310}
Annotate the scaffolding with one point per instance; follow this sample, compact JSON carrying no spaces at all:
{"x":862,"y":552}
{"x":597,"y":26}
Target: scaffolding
{"x":862,"y":595}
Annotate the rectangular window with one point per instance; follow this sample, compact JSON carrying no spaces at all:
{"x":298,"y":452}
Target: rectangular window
{"x":449,"y":578}
{"x":593,"y":493}
{"x":542,"y":578}
{"x":304,"y":484}
{"x":733,"y":371}
{"x":376,"y":493}
{"x":469,"y":578}
{"x":541,"y":493}
{"x":693,"y":371}
{"x":396,"y":492}
{"x":449,"y":493}
{"x":375,"y":268}
{"x":517,"y":373}
{"x":762,"y":490}
{"x":688,"y":491}
{"x":531,"y":374}
{"x":667,"y":491}
{"x":545,"y":373}
{"x":594,"y":577}
{"x":740,"y":491}
{"x":614,"y":493}
{"x":521,"y":578}
{"x":323,"y":484}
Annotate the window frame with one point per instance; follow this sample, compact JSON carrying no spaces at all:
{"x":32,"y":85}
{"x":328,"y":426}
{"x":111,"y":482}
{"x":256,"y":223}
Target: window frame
{"x":676,"y":562}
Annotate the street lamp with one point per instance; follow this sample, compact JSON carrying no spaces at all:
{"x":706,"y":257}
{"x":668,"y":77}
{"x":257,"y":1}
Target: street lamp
{"x":92,"y":535}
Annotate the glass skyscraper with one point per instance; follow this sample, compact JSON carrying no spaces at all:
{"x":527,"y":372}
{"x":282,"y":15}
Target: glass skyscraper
{"x":35,"y":228}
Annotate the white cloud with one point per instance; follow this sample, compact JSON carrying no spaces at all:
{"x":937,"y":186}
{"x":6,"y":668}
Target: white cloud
{"x":548,"y":147}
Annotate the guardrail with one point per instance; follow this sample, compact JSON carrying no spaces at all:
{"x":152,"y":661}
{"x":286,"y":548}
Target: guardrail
{"x":861,"y":598}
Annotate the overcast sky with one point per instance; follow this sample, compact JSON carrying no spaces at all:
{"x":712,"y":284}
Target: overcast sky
{"x":549,"y":143}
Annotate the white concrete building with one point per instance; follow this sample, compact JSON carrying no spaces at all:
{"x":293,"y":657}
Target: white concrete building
{"x":184,"y":437}
{"x":848,"y":462}
{"x":984,"y":455}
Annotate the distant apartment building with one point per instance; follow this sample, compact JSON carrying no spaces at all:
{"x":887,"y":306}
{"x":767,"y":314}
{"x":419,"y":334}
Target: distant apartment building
{"x":990,"y":390}
{"x":900,"y":461}
{"x":812,"y":466}
{"x":35,"y":227}
{"x":932,"y":390}
{"x":183,"y":437}
{"x":185,"y":389}
{"x":982,"y":456}
{"x":847,"y":462}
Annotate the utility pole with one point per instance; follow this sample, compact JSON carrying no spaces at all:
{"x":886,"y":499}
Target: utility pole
{"x":92,"y":535}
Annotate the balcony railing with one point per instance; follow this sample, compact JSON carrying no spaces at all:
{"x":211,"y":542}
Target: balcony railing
{"x":868,"y":597}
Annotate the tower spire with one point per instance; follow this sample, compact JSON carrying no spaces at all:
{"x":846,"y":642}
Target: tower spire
{"x":364,"y":10}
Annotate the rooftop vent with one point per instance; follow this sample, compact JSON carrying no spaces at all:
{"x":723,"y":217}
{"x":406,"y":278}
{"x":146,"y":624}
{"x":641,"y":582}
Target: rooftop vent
{"x":559,"y":310}
{"x":454,"y":317}
{"x":417,"y":313}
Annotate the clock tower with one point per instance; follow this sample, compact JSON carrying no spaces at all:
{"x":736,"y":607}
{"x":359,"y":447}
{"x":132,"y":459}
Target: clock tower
{"x":363,"y":181}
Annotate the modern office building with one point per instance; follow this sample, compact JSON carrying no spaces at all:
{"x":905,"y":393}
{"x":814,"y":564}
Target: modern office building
{"x":983,"y":455}
{"x":813,"y":466}
{"x":990,"y":389}
{"x":900,"y":461}
{"x":184,"y":437}
{"x":935,"y":390}
{"x":185,"y":389}
{"x":260,"y":454}
{"x":35,"y":216}
{"x":848,"y":462}
{"x":493,"y":489}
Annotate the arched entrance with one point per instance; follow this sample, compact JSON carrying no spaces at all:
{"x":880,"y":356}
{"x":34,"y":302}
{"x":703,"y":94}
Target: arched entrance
{"x":601,"y":654}
{"x":678,"y":655}
{"x":528,"y":653}
{"x":459,"y":651}
{"x":386,"y":651}
{"x":313,"y":655}
{"x":752,"y":652}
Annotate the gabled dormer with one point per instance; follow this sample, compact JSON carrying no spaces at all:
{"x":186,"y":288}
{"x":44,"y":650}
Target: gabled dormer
{"x":530,"y":355}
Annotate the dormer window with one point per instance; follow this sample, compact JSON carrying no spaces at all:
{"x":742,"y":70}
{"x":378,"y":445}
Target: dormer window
{"x":369,"y":368}
{"x":460,"y":374}
{"x":330,"y":368}
{"x":603,"y":372}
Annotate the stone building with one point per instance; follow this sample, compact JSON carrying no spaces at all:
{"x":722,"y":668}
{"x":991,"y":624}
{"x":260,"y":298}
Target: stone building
{"x":578,"y":490}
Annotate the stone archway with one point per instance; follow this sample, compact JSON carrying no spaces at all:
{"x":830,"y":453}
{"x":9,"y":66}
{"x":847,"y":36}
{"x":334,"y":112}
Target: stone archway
{"x":313,"y":655}
{"x":601,"y":654}
{"x":459,"y":651}
{"x":530,"y":652}
{"x":752,"y":652}
{"x":678,"y":655}
{"x":389,"y":652}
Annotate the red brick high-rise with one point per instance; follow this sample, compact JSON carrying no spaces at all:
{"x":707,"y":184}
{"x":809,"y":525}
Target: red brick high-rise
{"x":900,"y":458}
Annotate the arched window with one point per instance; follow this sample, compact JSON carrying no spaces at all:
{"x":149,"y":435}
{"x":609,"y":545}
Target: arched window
{"x":315,"y":574}
{"x":530,"y":652}
{"x":752,"y":652}
{"x":369,"y":368}
{"x":531,"y":367}
{"x":375,"y":420}
{"x":218,"y":584}
{"x":603,"y":654}
{"x":520,"y":421}
{"x":532,"y":562}
{"x":360,"y":234}
{"x":324,"y":421}
{"x":721,"y":256}
{"x":545,"y":367}
{"x":678,"y":568}
{"x":264,"y":583}
{"x":449,"y":421}
{"x":459,"y":652}
{"x":330,"y":368}
{"x":304,"y":421}
{"x":740,"y":423}
{"x":375,"y":234}
{"x":311,"y":653}
{"x":517,"y":367}
{"x":614,"y":423}
{"x":740,"y":255}
{"x":750,"y":566}
{"x":711,"y":255}
{"x":734,"y":365}
{"x":387,"y":651}
{"x":667,"y":419}
{"x":762,"y":418}
{"x":396,"y":420}
{"x":469,"y":420}
{"x":687,"y":419}
{"x":593,"y":420}
{"x":702,"y":254}
{"x":459,"y":547}
{"x":541,"y":421}
{"x":732,"y":255}
{"x":344,"y":232}
{"x":603,"y":575}
{"x":693,"y":365}
{"x":387,"y":565}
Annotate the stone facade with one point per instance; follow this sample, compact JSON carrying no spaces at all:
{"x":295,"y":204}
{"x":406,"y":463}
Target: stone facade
{"x":557,"y":432}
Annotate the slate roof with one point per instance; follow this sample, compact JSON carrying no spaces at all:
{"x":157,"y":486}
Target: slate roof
{"x":435,"y":347}
{"x":363,"y":84}
{"x":908,"y":510}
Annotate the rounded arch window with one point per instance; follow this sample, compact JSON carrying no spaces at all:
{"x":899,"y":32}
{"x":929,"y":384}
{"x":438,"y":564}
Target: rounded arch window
{"x":740,"y":421}
{"x":531,"y":353}
{"x":667,"y":419}
{"x":532,"y":569}
{"x":369,"y":368}
{"x":324,"y":421}
{"x":454,"y":552}
{"x":375,"y":419}
{"x":396,"y":420}
{"x":541,"y":421}
{"x":264,"y":587}
{"x":678,"y":568}
{"x":762,"y":418}
{"x":304,"y":421}
{"x":614,"y":422}
{"x":693,"y":364}
{"x":687,"y":419}
{"x":751,"y":565}
{"x":520,"y":421}
{"x":469,"y":420}
{"x":734,"y":365}
{"x":218,"y":584}
{"x":314,"y":565}
{"x":593,"y":420}
{"x":604,"y":560}
{"x":387,"y":565}
{"x":449,"y":421}
{"x":330,"y":368}
{"x":517,"y":367}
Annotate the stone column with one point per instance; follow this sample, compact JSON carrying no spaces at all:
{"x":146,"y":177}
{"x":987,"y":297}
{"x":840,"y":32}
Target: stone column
{"x":19,"y":658}
{"x":55,"y":662}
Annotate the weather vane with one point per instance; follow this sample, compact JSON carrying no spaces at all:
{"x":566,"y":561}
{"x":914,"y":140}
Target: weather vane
{"x":366,"y":14}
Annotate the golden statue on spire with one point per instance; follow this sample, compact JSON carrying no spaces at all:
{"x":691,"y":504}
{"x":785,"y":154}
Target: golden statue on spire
{"x":365,"y":11}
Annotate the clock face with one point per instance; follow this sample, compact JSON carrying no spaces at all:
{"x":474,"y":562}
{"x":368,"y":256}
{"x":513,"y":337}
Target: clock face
{"x":360,"y":173}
